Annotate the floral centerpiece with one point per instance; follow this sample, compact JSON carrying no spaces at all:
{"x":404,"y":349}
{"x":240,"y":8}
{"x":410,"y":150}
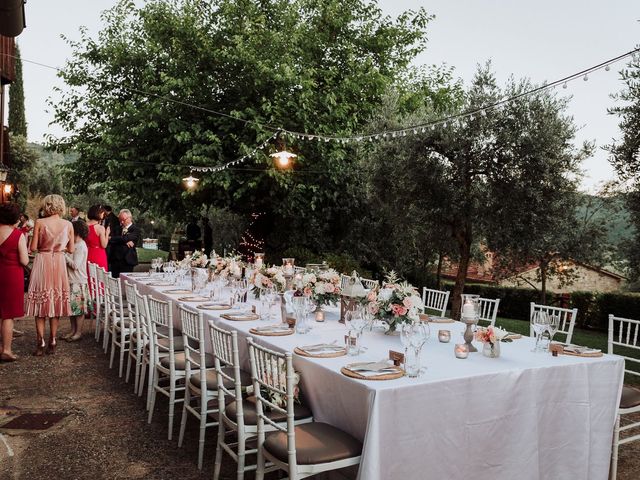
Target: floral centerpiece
{"x":491,"y":337}
{"x":322,"y":287}
{"x":198,"y":259}
{"x":395,"y":303}
{"x":226,"y":266}
{"x":268,"y":277}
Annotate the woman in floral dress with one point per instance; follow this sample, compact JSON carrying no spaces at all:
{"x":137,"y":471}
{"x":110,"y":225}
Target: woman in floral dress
{"x":78,"y":283}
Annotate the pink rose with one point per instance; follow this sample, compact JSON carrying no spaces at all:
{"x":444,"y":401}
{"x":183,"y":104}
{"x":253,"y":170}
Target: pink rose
{"x":407,"y":302}
{"x":307,"y":292}
{"x":371,"y":296}
{"x":373,"y":308}
{"x":329,"y":288}
{"x":398,"y":310}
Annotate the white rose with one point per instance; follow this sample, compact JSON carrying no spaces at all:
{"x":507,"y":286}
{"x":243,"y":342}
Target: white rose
{"x":385,"y":294}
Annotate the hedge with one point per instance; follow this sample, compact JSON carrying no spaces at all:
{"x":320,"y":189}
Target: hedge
{"x":593,"y":307}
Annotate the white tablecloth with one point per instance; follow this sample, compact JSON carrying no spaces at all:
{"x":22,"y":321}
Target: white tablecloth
{"x":523,"y":415}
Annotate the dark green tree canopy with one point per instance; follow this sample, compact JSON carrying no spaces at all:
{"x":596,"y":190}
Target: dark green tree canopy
{"x":16,"y":118}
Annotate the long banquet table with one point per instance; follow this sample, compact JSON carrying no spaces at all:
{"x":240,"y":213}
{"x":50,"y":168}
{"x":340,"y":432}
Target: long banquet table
{"x":523,"y":415}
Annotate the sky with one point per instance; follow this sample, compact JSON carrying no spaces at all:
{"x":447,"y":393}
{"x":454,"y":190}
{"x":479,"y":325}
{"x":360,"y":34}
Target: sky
{"x":543,"y":40}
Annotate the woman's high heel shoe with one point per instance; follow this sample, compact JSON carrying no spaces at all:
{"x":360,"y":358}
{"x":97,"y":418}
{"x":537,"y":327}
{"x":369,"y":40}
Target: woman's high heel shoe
{"x":51,"y":348}
{"x":39,"y":349}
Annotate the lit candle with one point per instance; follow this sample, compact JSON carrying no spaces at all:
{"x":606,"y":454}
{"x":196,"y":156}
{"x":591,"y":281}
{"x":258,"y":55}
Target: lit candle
{"x":320,"y":316}
{"x":444,"y":336}
{"x":461,"y":350}
{"x":288,"y":266}
{"x":259,"y":260}
{"x":468,"y":310}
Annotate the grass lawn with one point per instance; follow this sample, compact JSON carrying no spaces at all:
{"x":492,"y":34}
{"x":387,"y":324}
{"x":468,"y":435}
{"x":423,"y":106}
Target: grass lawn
{"x":145,"y":255}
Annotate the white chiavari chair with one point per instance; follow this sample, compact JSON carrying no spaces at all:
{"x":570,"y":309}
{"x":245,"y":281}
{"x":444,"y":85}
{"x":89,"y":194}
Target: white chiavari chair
{"x":200,"y":378}
{"x":169,"y":364}
{"x":144,"y":350}
{"x":118,"y":322}
{"x":624,"y":340}
{"x":300,"y":450}
{"x":488,"y":309}
{"x":435,"y":300}
{"x":101,"y":306}
{"x":131,"y":303}
{"x":92,"y":279}
{"x":566,"y":318}
{"x":369,"y":284}
{"x":237,"y":414}
{"x":344,"y":281}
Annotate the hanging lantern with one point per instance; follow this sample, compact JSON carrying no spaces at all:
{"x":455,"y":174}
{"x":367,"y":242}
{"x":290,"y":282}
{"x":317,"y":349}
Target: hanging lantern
{"x":283,"y":158}
{"x":190,"y":182}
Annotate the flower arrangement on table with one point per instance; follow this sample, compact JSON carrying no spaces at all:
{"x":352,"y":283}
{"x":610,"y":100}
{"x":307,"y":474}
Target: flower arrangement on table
{"x":395,"y":303}
{"x":268,"y":277}
{"x":231,"y":265}
{"x":198,"y":259}
{"x":492,"y":335}
{"x":322,"y":287}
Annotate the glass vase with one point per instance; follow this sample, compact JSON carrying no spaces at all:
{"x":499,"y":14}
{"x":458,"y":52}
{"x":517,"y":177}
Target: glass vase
{"x":491,"y":350}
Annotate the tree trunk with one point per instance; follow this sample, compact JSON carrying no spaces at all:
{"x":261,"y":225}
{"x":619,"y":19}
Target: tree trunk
{"x":439,"y":272}
{"x":464,"y":250}
{"x":543,"y":282}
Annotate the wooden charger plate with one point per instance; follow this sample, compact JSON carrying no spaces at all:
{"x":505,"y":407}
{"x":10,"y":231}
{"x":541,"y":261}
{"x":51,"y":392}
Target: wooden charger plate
{"x":586,"y":354}
{"x":178,"y":291}
{"x":214,"y":307}
{"x":278,"y":333}
{"x":434,"y":319}
{"x":337,"y":353}
{"x":399,"y":373}
{"x":241,"y":318}
{"x":193,"y":298}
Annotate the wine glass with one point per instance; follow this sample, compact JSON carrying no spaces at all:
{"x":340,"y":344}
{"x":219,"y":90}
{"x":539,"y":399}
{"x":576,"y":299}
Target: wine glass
{"x":355,"y":321}
{"x":413,"y":336}
{"x":540,"y":324}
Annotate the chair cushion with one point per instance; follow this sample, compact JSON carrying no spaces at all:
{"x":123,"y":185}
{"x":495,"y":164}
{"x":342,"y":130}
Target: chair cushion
{"x":315,"y":443}
{"x":180,"y":361}
{"x":178,"y":343}
{"x":630,"y":397}
{"x":250,"y":412}
{"x":212,"y":379}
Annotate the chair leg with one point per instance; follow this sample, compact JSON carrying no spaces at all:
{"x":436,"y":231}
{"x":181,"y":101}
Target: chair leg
{"x":150,"y":384}
{"x":172,"y":405}
{"x":113,"y":348}
{"x":241,"y":455}
{"x":124,"y":348}
{"x":151,"y":394}
{"x":613,"y":472}
{"x":203,"y":429}
{"x":221,"y":432}
{"x":260,"y":463}
{"x":128,"y":374}
{"x":185,"y":413}
{"x":143,"y":374}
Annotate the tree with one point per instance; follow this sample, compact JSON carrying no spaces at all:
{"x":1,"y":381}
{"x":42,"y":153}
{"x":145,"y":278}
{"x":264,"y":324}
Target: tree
{"x":470,"y":180}
{"x":17,"y":120}
{"x":317,"y":66}
{"x":625,"y":154}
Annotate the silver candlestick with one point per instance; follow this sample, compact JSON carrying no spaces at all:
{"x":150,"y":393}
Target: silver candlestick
{"x":468,"y":333}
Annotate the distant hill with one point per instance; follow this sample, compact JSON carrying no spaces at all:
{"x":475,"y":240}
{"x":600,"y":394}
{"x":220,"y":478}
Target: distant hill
{"x":618,"y":217}
{"x":52,"y":157}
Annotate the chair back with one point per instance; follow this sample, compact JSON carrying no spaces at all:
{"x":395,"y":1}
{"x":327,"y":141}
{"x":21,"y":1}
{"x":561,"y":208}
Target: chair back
{"x":144,"y":324}
{"x":369,"y":284}
{"x":93,"y":281}
{"x":161,"y":320}
{"x":273,"y":376}
{"x":101,"y":281}
{"x":131,"y":302}
{"x":226,"y":355}
{"x":435,"y":300}
{"x":114,"y":298}
{"x":193,"y":335}
{"x":623,"y":340}
{"x":344,"y":281}
{"x":566,"y":318}
{"x":488,"y":309}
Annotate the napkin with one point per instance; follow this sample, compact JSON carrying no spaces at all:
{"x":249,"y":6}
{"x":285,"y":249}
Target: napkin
{"x":372,"y":367}
{"x":322,"y":348}
{"x":272,"y":328}
{"x":578,"y":350}
{"x":193,"y":298}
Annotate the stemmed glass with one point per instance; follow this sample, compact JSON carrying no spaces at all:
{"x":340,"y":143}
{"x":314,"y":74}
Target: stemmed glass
{"x":169,"y":268}
{"x":356,"y":321}
{"x":540,"y":324}
{"x":242,"y":287}
{"x":413,"y":336}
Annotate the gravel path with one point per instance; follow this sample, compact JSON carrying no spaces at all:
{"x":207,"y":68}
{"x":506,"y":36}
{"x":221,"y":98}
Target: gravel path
{"x":105,"y":435}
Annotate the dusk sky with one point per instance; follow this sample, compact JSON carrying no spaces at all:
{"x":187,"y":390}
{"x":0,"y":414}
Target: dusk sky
{"x":543,"y":40}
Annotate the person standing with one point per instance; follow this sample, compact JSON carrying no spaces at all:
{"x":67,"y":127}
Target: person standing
{"x":123,"y":247}
{"x":48,"y":295}
{"x":75,"y":214}
{"x":97,"y":237}
{"x":78,"y":283}
{"x":14,"y":256}
{"x":111,"y":221}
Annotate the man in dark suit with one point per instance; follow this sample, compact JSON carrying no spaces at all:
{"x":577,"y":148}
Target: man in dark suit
{"x":123,"y":247}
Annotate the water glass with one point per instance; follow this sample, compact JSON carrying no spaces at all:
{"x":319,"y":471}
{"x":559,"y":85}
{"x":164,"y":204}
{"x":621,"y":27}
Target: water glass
{"x":540,"y":325}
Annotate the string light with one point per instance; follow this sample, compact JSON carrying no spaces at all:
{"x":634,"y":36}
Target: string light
{"x":283,"y":158}
{"x":190,"y":181}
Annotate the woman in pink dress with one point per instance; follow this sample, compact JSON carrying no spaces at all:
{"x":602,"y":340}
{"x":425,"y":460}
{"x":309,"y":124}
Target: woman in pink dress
{"x":98,"y":237}
{"x":48,"y":295}
{"x":13,"y":258}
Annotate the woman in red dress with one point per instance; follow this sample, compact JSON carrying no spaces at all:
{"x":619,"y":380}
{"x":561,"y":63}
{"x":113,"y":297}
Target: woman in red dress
{"x":98,"y":237}
{"x":13,"y":258}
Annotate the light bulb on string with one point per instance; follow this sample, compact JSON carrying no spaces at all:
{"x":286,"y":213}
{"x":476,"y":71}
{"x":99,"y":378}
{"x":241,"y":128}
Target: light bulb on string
{"x":190,"y":182}
{"x":585,"y":78}
{"x":564,"y":85}
{"x":607,"y":68}
{"x":283,"y":158}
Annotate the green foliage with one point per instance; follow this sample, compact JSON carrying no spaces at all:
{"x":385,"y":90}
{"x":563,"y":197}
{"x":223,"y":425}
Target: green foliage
{"x":305,"y":65}
{"x":227,"y":228}
{"x":16,"y":119}
{"x":145,"y":256}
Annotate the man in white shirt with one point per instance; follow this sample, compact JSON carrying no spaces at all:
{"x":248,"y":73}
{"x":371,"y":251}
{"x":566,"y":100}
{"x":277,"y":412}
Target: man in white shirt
{"x":75,"y":214}
{"x":123,"y":247}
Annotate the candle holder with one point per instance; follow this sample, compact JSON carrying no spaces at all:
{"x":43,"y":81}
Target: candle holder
{"x":470,"y":315}
{"x":319,"y":314}
{"x":461,"y":350}
{"x":288,"y":271}
{"x":444,"y":336}
{"x":258,"y":260}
